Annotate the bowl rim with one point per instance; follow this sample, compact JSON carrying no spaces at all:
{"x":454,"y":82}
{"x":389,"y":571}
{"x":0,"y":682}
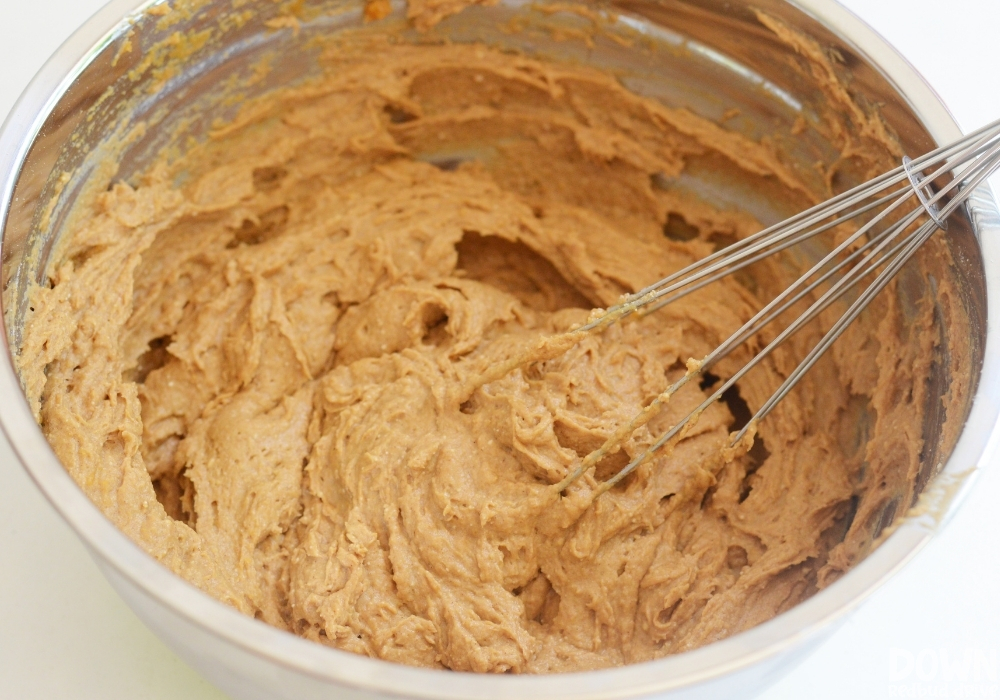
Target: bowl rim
{"x":978,"y":443}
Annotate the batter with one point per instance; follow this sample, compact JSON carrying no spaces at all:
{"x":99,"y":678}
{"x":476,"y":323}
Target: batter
{"x":260,"y":363}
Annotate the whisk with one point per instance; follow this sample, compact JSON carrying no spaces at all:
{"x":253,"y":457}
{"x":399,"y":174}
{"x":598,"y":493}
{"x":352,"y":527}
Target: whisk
{"x":897,"y":212}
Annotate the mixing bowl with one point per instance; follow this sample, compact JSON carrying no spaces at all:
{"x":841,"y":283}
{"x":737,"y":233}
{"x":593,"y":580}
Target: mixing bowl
{"x":131,"y":65}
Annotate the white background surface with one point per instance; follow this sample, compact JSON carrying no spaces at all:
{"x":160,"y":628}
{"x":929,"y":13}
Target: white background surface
{"x":65,"y":635}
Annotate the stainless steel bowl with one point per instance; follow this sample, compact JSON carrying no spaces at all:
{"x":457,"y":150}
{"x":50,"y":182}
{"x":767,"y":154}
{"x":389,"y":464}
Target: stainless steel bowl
{"x":95,"y":84}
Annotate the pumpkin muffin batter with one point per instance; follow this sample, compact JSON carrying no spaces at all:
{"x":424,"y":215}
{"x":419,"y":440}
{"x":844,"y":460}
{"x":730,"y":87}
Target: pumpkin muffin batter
{"x":260,"y":363}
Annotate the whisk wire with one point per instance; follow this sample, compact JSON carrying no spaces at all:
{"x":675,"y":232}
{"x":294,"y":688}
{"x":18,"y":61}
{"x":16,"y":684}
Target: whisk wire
{"x":910,"y":246}
{"x":746,"y":262}
{"x":954,"y":154}
{"x":828,"y":298}
{"x":969,"y":160}
{"x":985,"y":165}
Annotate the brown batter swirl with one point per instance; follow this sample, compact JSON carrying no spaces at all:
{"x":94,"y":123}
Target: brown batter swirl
{"x":256,"y":363}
